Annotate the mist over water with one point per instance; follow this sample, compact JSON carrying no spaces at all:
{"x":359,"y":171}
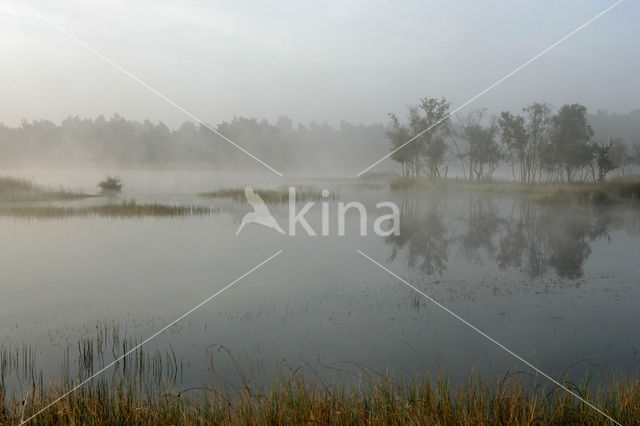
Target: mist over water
{"x":149,"y":156}
{"x":556,"y":284}
{"x":116,"y":144}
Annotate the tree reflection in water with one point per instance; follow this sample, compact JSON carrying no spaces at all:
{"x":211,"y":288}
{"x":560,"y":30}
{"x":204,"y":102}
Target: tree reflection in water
{"x":511,"y":233}
{"x":423,"y":232}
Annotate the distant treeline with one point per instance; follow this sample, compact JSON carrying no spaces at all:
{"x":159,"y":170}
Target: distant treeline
{"x":536,"y":144}
{"x":122,"y":142}
{"x":533,"y":145}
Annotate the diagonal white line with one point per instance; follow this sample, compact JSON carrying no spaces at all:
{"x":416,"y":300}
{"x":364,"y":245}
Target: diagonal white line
{"x":157,"y":333}
{"x":142,"y":83}
{"x":492,"y":86}
{"x":482,"y":333}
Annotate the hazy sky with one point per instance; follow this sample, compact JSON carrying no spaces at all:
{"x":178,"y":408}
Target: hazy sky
{"x":310,"y":60}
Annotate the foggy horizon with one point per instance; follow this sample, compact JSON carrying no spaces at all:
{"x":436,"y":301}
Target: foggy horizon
{"x":335,"y":125}
{"x":354,"y":62}
{"x":285,"y":212}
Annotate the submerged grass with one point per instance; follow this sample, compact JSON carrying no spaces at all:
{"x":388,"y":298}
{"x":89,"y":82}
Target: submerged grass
{"x":295,"y":401}
{"x":125,"y":209}
{"x":271,"y":196}
{"x":15,"y":189}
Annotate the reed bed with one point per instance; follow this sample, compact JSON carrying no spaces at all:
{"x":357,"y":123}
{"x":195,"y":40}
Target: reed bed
{"x":295,"y":401}
{"x":271,"y":196}
{"x":605,"y":193}
{"x":142,"y":389}
{"x":15,"y":189}
{"x":609,"y":192}
{"x":149,"y":369}
{"x":124,"y":209}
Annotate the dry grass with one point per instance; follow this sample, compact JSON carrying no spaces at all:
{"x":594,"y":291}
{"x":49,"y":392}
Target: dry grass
{"x":294,"y":401}
{"x":125,"y":209}
{"x":606,"y":193}
{"x":385,"y":176}
{"x":137,"y":390}
{"x":613,"y":191}
{"x":14,"y":189}
{"x":271,"y":196}
{"x":496,"y":186}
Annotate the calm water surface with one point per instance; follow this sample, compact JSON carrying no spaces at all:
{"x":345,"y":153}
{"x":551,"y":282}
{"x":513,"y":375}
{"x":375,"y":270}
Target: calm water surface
{"x":559,"y":285}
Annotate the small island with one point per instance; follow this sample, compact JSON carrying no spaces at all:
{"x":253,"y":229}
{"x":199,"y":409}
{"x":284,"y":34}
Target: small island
{"x":110,"y":185}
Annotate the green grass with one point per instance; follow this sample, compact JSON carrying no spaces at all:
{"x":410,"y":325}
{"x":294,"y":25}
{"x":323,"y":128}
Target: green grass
{"x":15,"y":189}
{"x":271,"y":196}
{"x":124,"y":209}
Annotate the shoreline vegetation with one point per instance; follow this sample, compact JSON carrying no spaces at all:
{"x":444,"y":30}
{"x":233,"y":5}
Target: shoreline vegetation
{"x":124,"y":209}
{"x":142,"y":389}
{"x":293,"y":400}
{"x":609,"y":192}
{"x":24,"y":199}
{"x":16,"y":189}
{"x":537,"y":144}
{"x":272,"y":196}
{"x":19,"y":197}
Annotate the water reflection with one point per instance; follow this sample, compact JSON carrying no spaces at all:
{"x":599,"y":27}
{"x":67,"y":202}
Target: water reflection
{"x":510,"y":233}
{"x":424,"y":233}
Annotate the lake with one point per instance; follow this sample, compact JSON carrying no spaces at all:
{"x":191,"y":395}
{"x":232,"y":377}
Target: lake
{"x":557,"y":285}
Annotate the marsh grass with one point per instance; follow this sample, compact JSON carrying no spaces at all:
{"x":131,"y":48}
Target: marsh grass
{"x":151,"y":369}
{"x":141,"y":389}
{"x":368,"y":185}
{"x":293,"y":400}
{"x":124,"y":209}
{"x":271,"y":196}
{"x":385,"y":176}
{"x":610,"y":192}
{"x":15,"y":189}
{"x":605,"y":193}
{"x":495,"y":186}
